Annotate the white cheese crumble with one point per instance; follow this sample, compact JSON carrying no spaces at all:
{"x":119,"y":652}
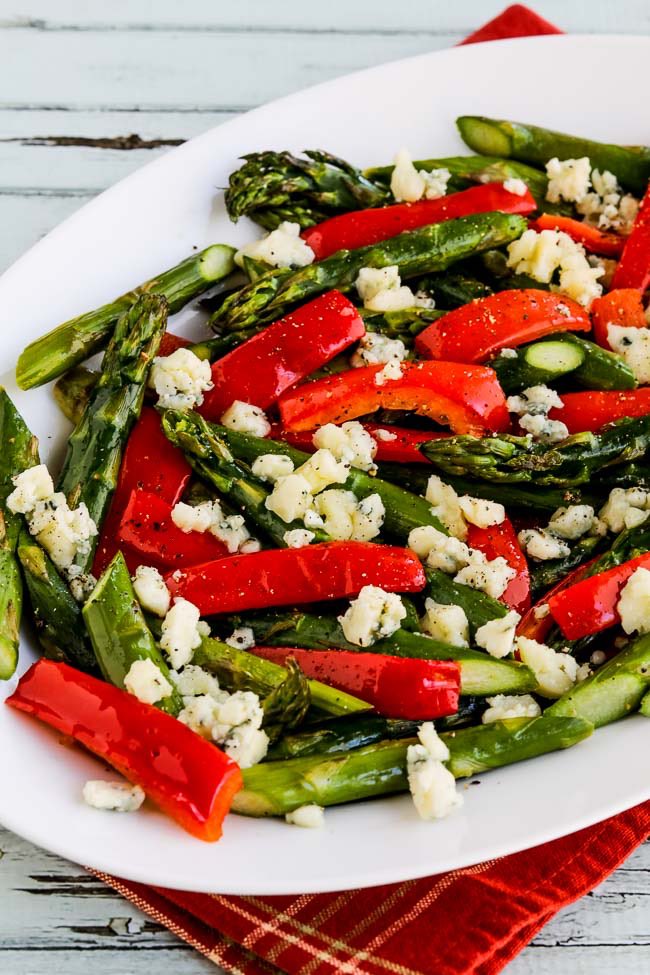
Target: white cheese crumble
{"x":373,"y":615}
{"x":381,"y":289}
{"x":30,"y":486}
{"x":180,"y":379}
{"x":445,"y":506}
{"x":447,"y":623}
{"x":438,"y":550}
{"x":283,"y":247}
{"x":243,"y":638}
{"x":322,"y":470}
{"x":633,"y":346}
{"x":181,"y":632}
{"x":505,"y":706}
{"x":298,"y":538}
{"x":555,"y":672}
{"x":113,"y":796}
{"x":386,"y":436}
{"x":350,"y":443}
{"x":376,"y":349}
{"x":498,"y":636}
{"x":569,"y":179}
{"x":147,"y":682}
{"x":543,"y":429}
{"x":151,"y":591}
{"x":536,"y":400}
{"x":271,"y":467}
{"x":246,"y":418}
{"x":607,"y":207}
{"x":230,"y":530}
{"x":480,"y":512}
{"x":233,"y":721}
{"x":391,"y":372}
{"x":432,"y":785}
{"x":290,"y":498}
{"x":634,"y":602}
{"x":491,"y":577}
{"x":541,"y":544}
{"x":625,"y":508}
{"x":542,"y":254}
{"x":63,"y":532}
{"x":516,"y":186}
{"x":408,"y":185}
{"x":193,"y":681}
{"x":572,"y":522}
{"x":309,"y":816}
{"x":193,"y":518}
{"x":344,"y":517}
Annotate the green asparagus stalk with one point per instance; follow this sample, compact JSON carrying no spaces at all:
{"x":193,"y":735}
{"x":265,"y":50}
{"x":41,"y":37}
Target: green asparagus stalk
{"x":238,"y":670}
{"x":287,"y":705}
{"x":536,"y":145}
{"x":19,"y":451}
{"x":79,"y":338}
{"x":481,"y":675}
{"x":625,"y":475}
{"x":479,"y":608}
{"x":274,"y":186}
{"x":428,"y":249}
{"x":404,"y":325}
{"x":644,"y":707}
{"x":57,"y":615}
{"x":276,"y":788}
{"x":453,"y":289}
{"x":95,"y":446}
{"x":613,"y":691}
{"x":513,"y":460}
{"x":119,"y":631}
{"x":545,"y":575}
{"x":72,"y":392}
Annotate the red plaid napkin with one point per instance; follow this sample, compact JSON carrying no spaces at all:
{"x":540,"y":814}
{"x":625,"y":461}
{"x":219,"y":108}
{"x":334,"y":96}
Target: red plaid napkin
{"x":465,"y":922}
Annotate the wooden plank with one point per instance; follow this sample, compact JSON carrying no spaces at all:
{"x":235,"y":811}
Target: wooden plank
{"x":27,"y":218}
{"x":179,"y":960}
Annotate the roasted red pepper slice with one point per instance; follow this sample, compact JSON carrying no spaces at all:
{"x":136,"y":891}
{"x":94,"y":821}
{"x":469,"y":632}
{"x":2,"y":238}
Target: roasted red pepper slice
{"x":537,"y":622}
{"x":290,"y":576}
{"x":259,"y":370}
{"x":477,"y":330}
{"x":397,"y":687}
{"x":591,"y":605}
{"x":148,"y":536}
{"x":592,"y":239}
{"x":187,"y":777}
{"x":468,"y":399}
{"x":363,"y":227}
{"x":633,"y":269}
{"x":149,"y":463}
{"x":401,"y":446}
{"x":170,"y":342}
{"x":501,"y":540}
{"x":620,"y":307}
{"x":592,"y":409}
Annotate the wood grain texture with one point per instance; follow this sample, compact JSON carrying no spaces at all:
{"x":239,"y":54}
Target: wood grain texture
{"x":76,"y":80}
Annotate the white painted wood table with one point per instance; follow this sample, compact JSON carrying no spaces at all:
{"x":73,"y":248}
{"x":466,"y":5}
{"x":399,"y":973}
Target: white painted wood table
{"x":88,"y":92}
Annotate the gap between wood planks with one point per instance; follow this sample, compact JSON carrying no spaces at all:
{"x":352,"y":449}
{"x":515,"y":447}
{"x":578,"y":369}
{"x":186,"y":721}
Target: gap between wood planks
{"x":123,"y":142}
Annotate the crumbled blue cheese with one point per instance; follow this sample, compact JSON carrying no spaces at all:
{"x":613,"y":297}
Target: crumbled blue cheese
{"x":572,"y":522}
{"x":569,"y":179}
{"x":181,"y":632}
{"x":147,"y":682}
{"x":243,"y":638}
{"x":81,"y":583}
{"x":373,"y":615}
{"x":536,"y":400}
{"x":435,"y":182}
{"x":30,"y":486}
{"x":230,"y":530}
{"x":151,"y":591}
{"x":246,"y":418}
{"x":516,"y":186}
{"x":386,"y":436}
{"x":322,"y":470}
{"x":432,"y":785}
{"x":482,"y":513}
{"x":391,"y":372}
{"x":543,"y":429}
{"x":368,"y":518}
{"x":298,"y":538}
{"x":507,"y":353}
{"x":290,"y":498}
{"x":283,"y":247}
{"x":113,"y":796}
{"x":238,"y":729}
{"x":634,"y":602}
{"x":376,"y":349}
{"x":445,"y":505}
{"x":193,"y":518}
{"x":271,"y":467}
{"x":180,"y":379}
{"x":381,"y":289}
{"x":606,"y":207}
{"x":350,"y":443}
{"x":309,"y":816}
{"x":438,"y":550}
{"x":489,"y":576}
{"x":447,"y":623}
{"x":633,"y":346}
{"x":505,"y":706}
{"x":625,"y":508}
{"x":554,"y":671}
{"x":63,"y":532}
{"x":498,"y":636}
{"x":344,"y":517}
{"x":541,"y":544}
{"x":408,"y":185}
{"x":193,"y":681}
{"x":540,"y":255}
{"x":200,"y":714}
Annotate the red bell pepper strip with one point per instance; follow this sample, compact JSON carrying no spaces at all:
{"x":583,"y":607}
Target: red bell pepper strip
{"x":259,"y":370}
{"x":591,"y":605}
{"x":403,"y":449}
{"x":592,"y":409}
{"x":189,"y":778}
{"x":592,"y":239}
{"x":477,"y":330}
{"x":290,"y":576}
{"x":170,"y":342}
{"x":149,"y":463}
{"x":633,"y":269}
{"x":363,"y":227}
{"x":468,"y":399}
{"x":150,"y":537}
{"x":537,"y":622}
{"x":620,"y":307}
{"x":397,"y":687}
{"x":501,"y":540}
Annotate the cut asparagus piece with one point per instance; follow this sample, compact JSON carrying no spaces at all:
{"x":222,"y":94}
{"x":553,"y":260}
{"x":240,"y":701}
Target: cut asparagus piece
{"x":91,"y":466}
{"x":431,"y":248}
{"x":274,"y":186}
{"x":545,"y":575}
{"x":536,"y":364}
{"x":286,"y":706}
{"x":536,"y":145}
{"x":238,"y":670}
{"x":119,"y":631}
{"x":481,"y":675}
{"x":79,"y":338}
{"x":479,"y":608}
{"x":276,"y":788}
{"x":72,"y":392}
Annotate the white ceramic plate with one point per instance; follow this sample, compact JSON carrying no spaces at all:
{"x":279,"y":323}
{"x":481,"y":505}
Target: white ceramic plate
{"x":150,"y":221}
